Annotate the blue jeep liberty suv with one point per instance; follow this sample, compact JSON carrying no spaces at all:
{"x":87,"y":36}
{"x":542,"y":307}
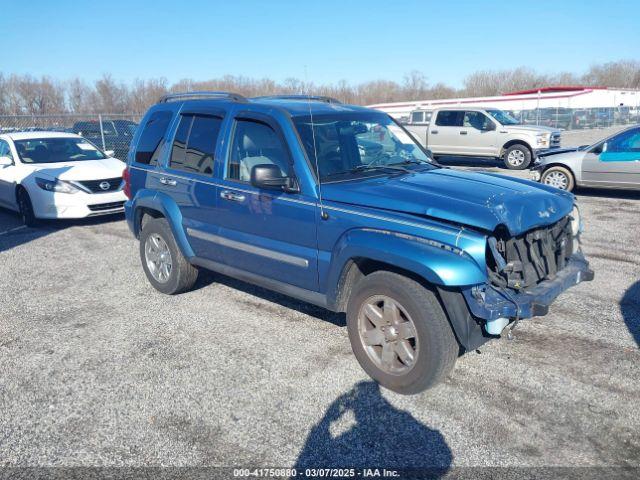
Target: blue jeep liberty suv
{"x":339,"y":206}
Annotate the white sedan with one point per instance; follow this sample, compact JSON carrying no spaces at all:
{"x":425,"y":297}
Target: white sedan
{"x":58,"y":175}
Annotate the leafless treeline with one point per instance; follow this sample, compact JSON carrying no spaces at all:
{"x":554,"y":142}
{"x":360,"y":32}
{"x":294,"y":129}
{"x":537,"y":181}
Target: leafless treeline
{"x":40,"y":96}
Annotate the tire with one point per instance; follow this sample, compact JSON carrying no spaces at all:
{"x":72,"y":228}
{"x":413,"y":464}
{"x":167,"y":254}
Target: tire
{"x":559,"y":177}
{"x":26,"y":208}
{"x":517,"y":157}
{"x":434,"y":346}
{"x":166,"y":268}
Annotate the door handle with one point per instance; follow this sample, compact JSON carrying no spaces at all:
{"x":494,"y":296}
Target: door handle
{"x":434,"y":131}
{"x":168,"y":181}
{"x":463,"y":132}
{"x":234,"y":197}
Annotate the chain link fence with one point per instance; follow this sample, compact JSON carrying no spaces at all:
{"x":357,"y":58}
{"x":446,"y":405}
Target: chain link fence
{"x":107,"y":131}
{"x":578,"y":118}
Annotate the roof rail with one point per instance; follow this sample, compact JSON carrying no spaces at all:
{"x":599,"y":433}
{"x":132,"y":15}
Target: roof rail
{"x":315,"y":98}
{"x":174,"y":97}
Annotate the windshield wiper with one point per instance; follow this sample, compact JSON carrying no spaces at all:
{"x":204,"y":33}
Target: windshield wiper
{"x":413,"y":161}
{"x":394,"y":167}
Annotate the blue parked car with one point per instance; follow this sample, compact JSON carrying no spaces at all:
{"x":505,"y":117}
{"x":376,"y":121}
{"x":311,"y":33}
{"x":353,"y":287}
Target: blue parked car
{"x":339,"y":206}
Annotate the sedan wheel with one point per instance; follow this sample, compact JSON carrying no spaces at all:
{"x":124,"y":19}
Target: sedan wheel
{"x":557,"y":179}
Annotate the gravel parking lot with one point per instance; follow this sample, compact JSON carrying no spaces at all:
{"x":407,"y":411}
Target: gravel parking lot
{"x":100,"y":369}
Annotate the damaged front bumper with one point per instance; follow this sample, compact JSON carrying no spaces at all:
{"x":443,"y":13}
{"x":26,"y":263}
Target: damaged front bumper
{"x":501,"y":305}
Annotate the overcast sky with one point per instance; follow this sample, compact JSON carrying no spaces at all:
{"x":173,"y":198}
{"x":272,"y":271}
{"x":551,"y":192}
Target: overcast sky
{"x":351,"y":40}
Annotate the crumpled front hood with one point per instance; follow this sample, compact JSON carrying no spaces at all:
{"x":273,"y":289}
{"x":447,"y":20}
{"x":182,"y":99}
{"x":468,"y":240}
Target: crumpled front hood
{"x":479,"y":200}
{"x":80,"y":170}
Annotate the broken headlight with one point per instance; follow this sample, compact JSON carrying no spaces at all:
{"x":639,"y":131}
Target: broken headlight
{"x":576,"y":221}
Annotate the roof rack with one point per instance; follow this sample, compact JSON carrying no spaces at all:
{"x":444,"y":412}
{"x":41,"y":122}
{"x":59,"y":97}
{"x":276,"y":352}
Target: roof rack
{"x":174,"y":97}
{"x":315,"y":98}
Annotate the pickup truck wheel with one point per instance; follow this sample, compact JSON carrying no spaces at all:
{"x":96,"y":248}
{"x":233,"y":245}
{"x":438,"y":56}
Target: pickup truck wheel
{"x":558,"y":177}
{"x":163,"y":263}
{"x":399,"y":333}
{"x":517,"y":157}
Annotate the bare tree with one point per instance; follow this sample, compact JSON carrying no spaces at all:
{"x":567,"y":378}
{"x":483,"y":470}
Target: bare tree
{"x":28,"y":95}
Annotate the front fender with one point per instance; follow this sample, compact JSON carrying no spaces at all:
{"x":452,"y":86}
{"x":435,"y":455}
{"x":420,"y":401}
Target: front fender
{"x":437,"y":263}
{"x":167,"y":207}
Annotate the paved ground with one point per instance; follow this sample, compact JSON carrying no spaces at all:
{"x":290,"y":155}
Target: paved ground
{"x":100,"y":369}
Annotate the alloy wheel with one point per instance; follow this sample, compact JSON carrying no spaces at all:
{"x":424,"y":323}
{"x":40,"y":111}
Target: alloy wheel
{"x":388,"y":334}
{"x":557,"y":179}
{"x":158,"y":257}
{"x":516,"y":158}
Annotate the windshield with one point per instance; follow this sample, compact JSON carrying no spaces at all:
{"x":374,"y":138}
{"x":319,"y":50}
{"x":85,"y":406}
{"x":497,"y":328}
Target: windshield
{"x":356,"y":144}
{"x":55,"y":150}
{"x":503,"y":117}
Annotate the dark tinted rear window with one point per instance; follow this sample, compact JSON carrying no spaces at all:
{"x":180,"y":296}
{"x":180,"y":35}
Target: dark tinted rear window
{"x":449,"y":118}
{"x":151,"y":140}
{"x":195,"y":144}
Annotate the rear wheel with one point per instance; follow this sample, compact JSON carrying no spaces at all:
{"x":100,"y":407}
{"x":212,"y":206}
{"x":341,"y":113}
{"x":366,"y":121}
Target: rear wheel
{"x":558,"y":177}
{"x":399,"y":333}
{"x":517,"y":157}
{"x":26,"y":208}
{"x":163,"y":263}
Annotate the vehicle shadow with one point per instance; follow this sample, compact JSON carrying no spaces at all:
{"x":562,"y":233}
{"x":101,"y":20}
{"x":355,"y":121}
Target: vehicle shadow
{"x":361,"y":429}
{"x":206,"y":278}
{"x":630,"y":308}
{"x":13,"y":233}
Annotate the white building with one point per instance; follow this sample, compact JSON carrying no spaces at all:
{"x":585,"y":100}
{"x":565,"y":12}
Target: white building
{"x":559,"y":97}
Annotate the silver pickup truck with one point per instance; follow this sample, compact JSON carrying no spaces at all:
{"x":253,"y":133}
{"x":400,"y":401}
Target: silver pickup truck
{"x":481,"y":132}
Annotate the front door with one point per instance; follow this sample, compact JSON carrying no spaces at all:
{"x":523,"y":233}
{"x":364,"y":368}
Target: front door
{"x":265,"y":232}
{"x":475,"y":137}
{"x":614,"y":163}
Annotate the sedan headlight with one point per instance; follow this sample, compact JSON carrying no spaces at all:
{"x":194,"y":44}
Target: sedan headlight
{"x":59,"y":186}
{"x":576,"y":221}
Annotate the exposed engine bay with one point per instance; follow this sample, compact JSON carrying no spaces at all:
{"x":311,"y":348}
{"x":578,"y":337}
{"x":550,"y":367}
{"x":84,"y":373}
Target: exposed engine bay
{"x":524,"y":261}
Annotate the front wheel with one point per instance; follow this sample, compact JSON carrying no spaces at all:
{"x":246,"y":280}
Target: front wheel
{"x":163,"y":263}
{"x":399,"y":333}
{"x":517,"y":157}
{"x":558,"y":177}
{"x":26,"y":208}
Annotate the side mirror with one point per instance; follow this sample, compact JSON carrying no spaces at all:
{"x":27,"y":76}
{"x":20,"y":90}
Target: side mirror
{"x":489,"y":126}
{"x":269,"y":176}
{"x":5,"y":162}
{"x":109,"y":153}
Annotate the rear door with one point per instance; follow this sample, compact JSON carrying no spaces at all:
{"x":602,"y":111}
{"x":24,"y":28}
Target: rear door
{"x":265,"y":232}
{"x":614,"y":163}
{"x":444,"y":133}
{"x":188,"y":177}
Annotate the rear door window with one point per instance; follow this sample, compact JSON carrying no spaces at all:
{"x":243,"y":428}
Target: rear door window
{"x":152,"y":138}
{"x":194,"y":144}
{"x":450,"y":118}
